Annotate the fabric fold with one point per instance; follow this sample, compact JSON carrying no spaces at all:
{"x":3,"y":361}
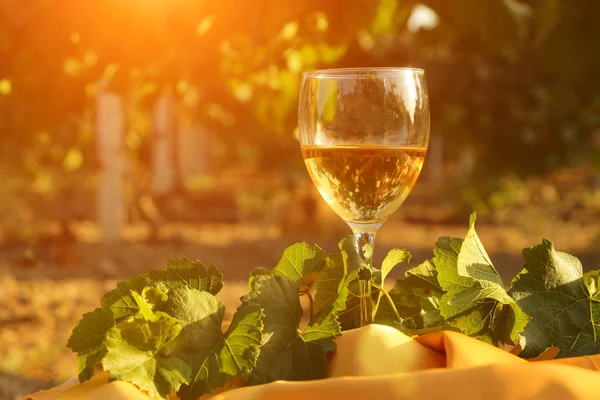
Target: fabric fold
{"x":381,"y":362}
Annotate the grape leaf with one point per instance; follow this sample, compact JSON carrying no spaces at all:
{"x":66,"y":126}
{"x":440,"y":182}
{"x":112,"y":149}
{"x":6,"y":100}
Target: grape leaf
{"x":88,"y":336}
{"x":564,"y":304}
{"x":331,"y":288}
{"x":88,"y":362}
{"x":145,"y":347}
{"x":417,"y":300}
{"x":120,"y":300}
{"x":135,"y":353}
{"x":150,"y":298}
{"x":301,"y":262}
{"x":192,"y":306}
{"x":213,"y":356}
{"x":154,"y":296}
{"x":258,"y":271}
{"x":180,"y":272}
{"x":87,"y":340}
{"x":287,"y":354}
{"x":474,"y":292}
{"x":242,"y":342}
{"x":307,"y":265}
{"x":355,"y":261}
{"x":592,"y":281}
{"x":316,"y":340}
{"x":393,"y":258}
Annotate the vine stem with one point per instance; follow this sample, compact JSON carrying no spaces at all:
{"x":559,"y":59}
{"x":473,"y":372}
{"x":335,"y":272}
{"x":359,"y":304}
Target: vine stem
{"x":376,"y":304}
{"x":389,"y":299}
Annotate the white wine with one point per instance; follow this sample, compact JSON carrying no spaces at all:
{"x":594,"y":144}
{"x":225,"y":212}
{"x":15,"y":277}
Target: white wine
{"x":364,"y":184}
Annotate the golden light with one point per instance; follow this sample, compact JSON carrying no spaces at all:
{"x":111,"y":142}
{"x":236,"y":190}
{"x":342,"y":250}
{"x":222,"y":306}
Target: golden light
{"x":5,"y":86}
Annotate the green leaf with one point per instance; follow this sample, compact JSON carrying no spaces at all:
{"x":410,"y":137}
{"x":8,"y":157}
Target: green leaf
{"x":417,"y":300}
{"x":331,"y":287}
{"x":87,"y":340}
{"x":509,"y":322}
{"x":349,"y":317}
{"x":120,"y":301}
{"x":194,"y":306}
{"x":287,"y":354}
{"x":202,"y":314}
{"x":474,"y":289}
{"x":213,"y":356}
{"x":317,"y":340}
{"x":257,"y":272}
{"x":150,"y":298}
{"x":307,"y":265}
{"x":564,"y":304}
{"x":154,"y":296}
{"x":367,"y":251}
{"x":354,"y":260}
{"x":135,"y":353}
{"x":301,"y":262}
{"x":473,"y":260}
{"x":592,"y":281}
{"x":145,"y":347}
{"x":91,"y":330}
{"x":88,"y":362}
{"x":180,"y":272}
{"x":241,"y":347}
{"x":393,"y":258}
{"x":477,"y":320}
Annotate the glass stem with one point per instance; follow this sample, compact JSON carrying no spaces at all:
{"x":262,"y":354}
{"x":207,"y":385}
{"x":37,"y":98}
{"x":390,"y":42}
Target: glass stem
{"x":365,"y":241}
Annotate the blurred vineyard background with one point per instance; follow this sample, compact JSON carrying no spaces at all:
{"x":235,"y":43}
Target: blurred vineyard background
{"x":136,"y":130}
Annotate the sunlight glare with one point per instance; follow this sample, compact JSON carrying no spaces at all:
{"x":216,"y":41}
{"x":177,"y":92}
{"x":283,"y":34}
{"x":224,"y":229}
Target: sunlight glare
{"x":5,"y":86}
{"x":422,"y":17}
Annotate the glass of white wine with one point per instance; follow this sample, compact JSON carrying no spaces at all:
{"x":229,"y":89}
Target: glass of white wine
{"x":364,"y":134}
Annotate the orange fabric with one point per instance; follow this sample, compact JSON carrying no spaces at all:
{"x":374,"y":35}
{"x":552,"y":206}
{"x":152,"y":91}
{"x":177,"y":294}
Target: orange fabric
{"x":380,"y":350}
{"x":465,"y":352}
{"x":473,"y":370}
{"x":97,"y":388}
{"x":454,"y":345}
{"x":586,"y":362}
{"x":491,"y":382}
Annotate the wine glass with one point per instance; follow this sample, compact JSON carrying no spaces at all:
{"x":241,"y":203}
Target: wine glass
{"x":364,"y":134}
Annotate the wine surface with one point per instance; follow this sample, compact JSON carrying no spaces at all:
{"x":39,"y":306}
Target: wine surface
{"x":364,"y":184}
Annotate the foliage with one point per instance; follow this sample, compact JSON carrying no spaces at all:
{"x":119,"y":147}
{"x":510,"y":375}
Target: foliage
{"x":164,"y":331}
{"x":560,"y":298}
{"x":551,"y":303}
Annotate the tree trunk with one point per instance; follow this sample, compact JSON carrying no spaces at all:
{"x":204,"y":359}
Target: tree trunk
{"x":109,"y":134}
